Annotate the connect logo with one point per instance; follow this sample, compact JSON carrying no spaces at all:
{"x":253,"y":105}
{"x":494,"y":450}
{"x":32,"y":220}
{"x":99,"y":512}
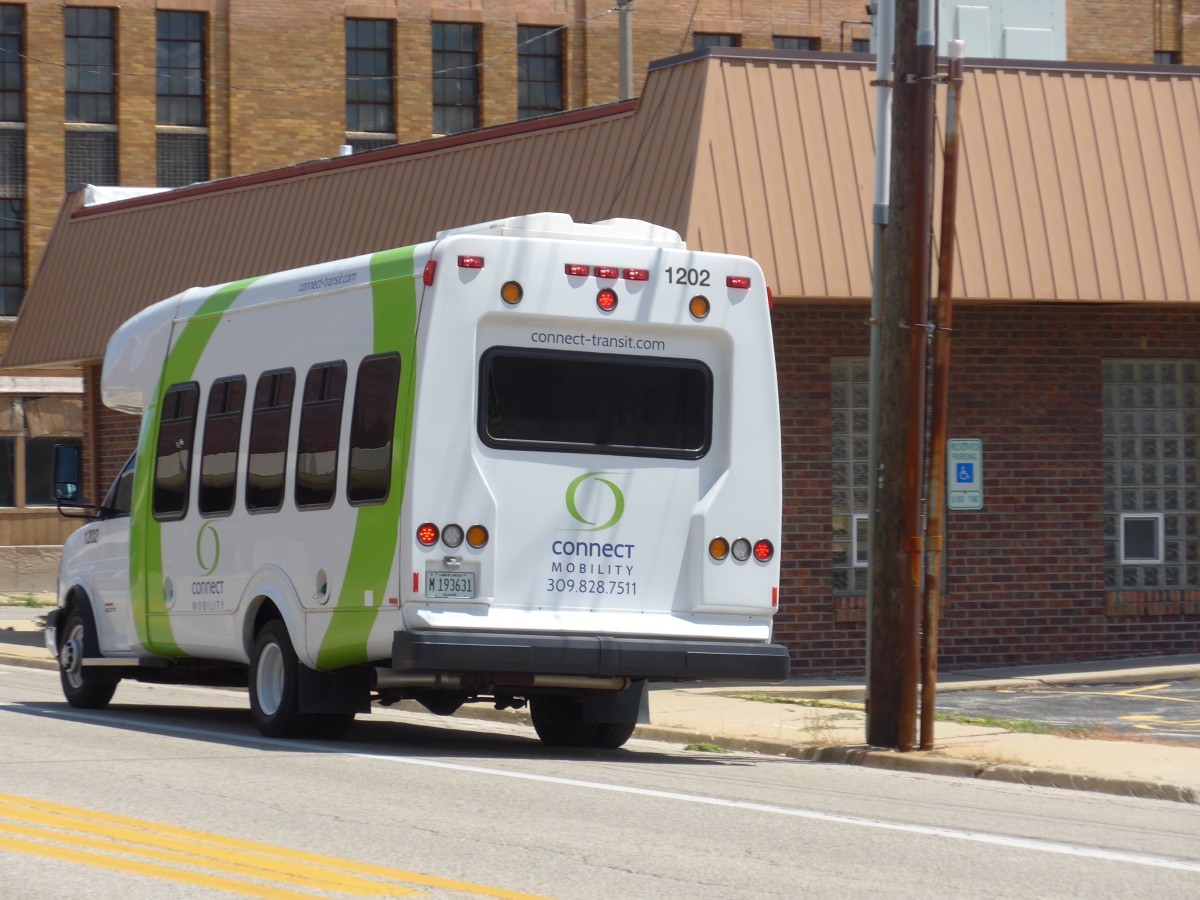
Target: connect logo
{"x":583,"y":484}
{"x":208,"y":547}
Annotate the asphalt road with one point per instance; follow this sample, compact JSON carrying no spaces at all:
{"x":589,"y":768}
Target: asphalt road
{"x":1164,"y":711}
{"x":170,"y":794}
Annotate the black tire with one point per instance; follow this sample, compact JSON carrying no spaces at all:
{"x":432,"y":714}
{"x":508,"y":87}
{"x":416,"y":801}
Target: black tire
{"x":558,"y":722}
{"x":612,"y":735}
{"x":275,"y":684}
{"x":79,"y":686}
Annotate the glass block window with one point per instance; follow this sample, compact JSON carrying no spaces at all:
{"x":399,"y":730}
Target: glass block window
{"x":849,"y":395}
{"x":1151,"y":474}
{"x":12,"y":72}
{"x":12,"y":256}
{"x":455,"y":77}
{"x":797,"y":43}
{"x":91,"y":55}
{"x":539,"y":71}
{"x":182,"y":157}
{"x":91,"y":157}
{"x":701,"y":40}
{"x":370,"y":49}
{"x":180,"y":68}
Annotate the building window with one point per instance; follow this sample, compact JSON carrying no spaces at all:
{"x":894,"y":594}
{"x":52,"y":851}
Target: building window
{"x":29,"y":429}
{"x":1167,"y":57}
{"x":91,"y":156}
{"x":370,"y":110}
{"x":91,"y":57}
{"x":182,"y":99}
{"x":455,"y":77}
{"x":849,"y":449}
{"x":1151,"y":474}
{"x":12,"y":255}
{"x":12,"y":72}
{"x":320,"y":430}
{"x":702,"y":40}
{"x":860,"y":45}
{"x":539,"y":71}
{"x":797,"y":43}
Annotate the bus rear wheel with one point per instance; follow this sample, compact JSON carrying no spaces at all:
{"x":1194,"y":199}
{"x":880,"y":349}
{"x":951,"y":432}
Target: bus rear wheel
{"x":275,"y":684}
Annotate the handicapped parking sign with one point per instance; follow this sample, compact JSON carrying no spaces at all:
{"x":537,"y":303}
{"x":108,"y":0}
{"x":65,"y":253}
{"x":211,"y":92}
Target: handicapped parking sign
{"x":964,"y":488}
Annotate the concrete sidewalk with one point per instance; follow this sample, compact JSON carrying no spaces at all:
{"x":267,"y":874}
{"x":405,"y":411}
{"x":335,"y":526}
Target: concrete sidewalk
{"x":784,"y":721}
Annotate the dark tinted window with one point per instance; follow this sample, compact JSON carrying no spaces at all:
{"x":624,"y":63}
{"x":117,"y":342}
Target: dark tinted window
{"x":219,"y":458}
{"x":372,"y":423}
{"x":266,"y":464}
{"x":120,"y":496}
{"x":320,"y":428}
{"x":173,"y":459}
{"x":595,"y":403}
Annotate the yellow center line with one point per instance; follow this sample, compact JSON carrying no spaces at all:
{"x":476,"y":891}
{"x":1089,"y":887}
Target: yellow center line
{"x":330,"y":882}
{"x":163,"y":873}
{"x":194,"y":842}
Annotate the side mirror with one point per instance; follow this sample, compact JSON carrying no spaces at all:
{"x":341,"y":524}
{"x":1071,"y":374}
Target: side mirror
{"x":66,"y":473}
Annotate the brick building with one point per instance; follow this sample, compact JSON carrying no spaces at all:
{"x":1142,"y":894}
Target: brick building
{"x":1075,"y":333}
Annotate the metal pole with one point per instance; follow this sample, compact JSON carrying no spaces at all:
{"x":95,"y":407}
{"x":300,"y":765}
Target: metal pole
{"x":884,"y":40}
{"x":936,"y":524}
{"x":625,"y":49}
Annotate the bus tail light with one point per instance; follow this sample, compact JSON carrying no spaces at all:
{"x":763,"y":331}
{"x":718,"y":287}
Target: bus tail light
{"x":607,"y":299}
{"x":470,"y":262}
{"x":430,"y":271}
{"x":427,"y":534}
{"x":764,"y":550}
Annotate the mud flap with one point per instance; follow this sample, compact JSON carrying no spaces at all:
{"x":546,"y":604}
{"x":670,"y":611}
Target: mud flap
{"x":629,"y":705}
{"x":343,"y":691}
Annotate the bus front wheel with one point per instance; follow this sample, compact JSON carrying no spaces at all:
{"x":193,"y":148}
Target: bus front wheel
{"x":78,"y":684}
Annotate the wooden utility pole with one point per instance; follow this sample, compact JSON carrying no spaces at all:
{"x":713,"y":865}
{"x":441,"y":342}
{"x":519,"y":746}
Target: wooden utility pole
{"x":896,"y":523}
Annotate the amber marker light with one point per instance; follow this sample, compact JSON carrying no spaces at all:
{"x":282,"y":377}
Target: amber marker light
{"x":607,"y":299}
{"x":718,"y":548}
{"x":511,"y":293}
{"x":698,"y":306}
{"x":477,"y":536}
{"x":427,"y":534}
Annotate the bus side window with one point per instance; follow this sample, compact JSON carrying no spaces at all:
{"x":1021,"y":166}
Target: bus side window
{"x":320,"y":430}
{"x":269,"y":440}
{"x":219,"y":457}
{"x":372,"y":421}
{"x":173,"y":459}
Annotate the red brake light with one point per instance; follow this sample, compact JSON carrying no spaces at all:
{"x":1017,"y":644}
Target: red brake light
{"x":607,"y":271}
{"x":427,"y":534}
{"x":607,"y":299}
{"x":637,"y":274}
{"x":737,"y":281}
{"x":470,"y":262}
{"x":576,"y":269}
{"x":763,"y":550}
{"x":430,"y":270}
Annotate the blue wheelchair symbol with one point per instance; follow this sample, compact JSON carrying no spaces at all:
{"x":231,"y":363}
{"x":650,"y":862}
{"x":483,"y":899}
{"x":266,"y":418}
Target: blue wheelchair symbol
{"x":964,"y":473}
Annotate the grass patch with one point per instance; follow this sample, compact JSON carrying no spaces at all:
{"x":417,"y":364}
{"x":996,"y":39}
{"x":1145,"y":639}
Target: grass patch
{"x":795,"y":701}
{"x":28,"y":600}
{"x":705,"y":747}
{"x":1018,"y":725}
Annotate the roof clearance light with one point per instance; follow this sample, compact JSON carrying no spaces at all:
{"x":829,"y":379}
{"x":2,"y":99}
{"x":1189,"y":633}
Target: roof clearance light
{"x":607,"y":299}
{"x":430,"y":270}
{"x":477,"y":536}
{"x":427,"y":534}
{"x":737,"y":281}
{"x":452,"y":535}
{"x":607,"y":271}
{"x":470,"y":262}
{"x":698,"y":306}
{"x":511,"y":293}
{"x":764,"y":550}
{"x":636,"y":274}
{"x":741,"y":549}
{"x":718,"y":548}
{"x":576,"y":269}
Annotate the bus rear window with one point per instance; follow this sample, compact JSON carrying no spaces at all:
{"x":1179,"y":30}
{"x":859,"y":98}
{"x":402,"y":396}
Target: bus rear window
{"x":595,"y":403}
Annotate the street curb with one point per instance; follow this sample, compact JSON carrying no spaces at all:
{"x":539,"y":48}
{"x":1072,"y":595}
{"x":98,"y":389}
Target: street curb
{"x":923,"y":762}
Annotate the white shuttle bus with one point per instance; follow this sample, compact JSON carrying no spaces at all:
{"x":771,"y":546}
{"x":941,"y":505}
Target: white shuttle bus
{"x":531,"y":461}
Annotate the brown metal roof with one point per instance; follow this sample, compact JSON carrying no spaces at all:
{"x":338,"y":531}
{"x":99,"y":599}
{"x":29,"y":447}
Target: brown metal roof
{"x":1075,"y":186}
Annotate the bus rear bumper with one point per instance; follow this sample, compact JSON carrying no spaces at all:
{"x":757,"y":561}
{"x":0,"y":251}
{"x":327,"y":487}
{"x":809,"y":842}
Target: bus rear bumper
{"x":658,"y":659}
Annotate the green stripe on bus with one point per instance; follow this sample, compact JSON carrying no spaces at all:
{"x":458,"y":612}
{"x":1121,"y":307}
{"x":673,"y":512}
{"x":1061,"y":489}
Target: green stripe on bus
{"x":145,"y":532}
{"x":374,"y":550}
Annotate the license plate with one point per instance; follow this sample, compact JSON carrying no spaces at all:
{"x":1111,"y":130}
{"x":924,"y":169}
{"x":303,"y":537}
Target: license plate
{"x":450,"y":585}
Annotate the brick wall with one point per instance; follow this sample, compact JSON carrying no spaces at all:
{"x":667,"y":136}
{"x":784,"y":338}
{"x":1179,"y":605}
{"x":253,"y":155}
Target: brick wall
{"x":1024,"y":577}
